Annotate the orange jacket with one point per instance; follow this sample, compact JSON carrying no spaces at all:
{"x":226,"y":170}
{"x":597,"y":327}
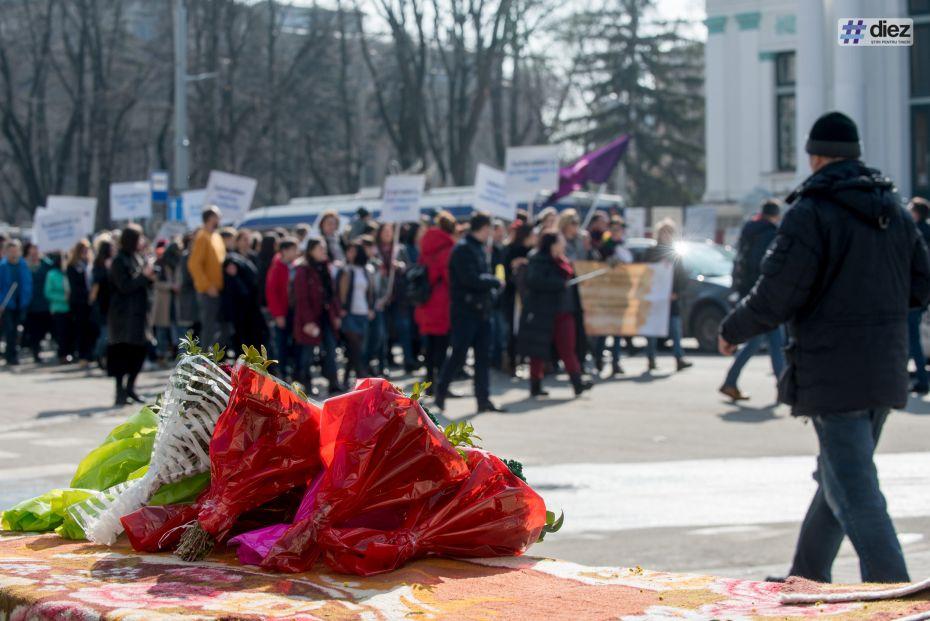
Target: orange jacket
{"x":206,"y":261}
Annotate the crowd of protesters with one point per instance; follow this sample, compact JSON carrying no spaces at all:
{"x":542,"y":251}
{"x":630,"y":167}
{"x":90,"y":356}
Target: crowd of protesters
{"x":338,"y":300}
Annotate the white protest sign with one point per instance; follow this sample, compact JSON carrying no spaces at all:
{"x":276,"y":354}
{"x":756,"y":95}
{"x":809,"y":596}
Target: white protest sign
{"x":131,"y":200}
{"x":169,"y":230}
{"x":232,"y":194}
{"x":700,"y":222}
{"x":192,"y":200}
{"x":400,"y":201}
{"x":635,"y":218}
{"x":83,"y":205}
{"x":57,"y":231}
{"x":531,"y":170}
{"x":491,"y":193}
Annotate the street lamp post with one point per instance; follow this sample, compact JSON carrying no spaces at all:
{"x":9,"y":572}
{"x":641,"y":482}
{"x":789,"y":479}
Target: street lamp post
{"x":181,"y":143}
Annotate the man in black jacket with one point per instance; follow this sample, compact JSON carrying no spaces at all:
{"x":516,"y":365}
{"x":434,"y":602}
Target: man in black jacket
{"x":472,"y":289}
{"x":845,"y":267}
{"x":754,"y":241}
{"x":920,"y":211}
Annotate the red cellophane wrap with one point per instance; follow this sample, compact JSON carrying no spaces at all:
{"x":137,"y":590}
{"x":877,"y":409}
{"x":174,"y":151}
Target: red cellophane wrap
{"x":157,"y":528}
{"x":265,"y":443}
{"x":491,"y":513}
{"x":382,"y":454}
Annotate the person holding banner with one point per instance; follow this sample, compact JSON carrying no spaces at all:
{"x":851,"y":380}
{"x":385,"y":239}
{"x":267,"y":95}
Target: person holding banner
{"x":664,"y":250}
{"x":472,"y":287}
{"x":549,"y":314}
{"x":15,"y":295}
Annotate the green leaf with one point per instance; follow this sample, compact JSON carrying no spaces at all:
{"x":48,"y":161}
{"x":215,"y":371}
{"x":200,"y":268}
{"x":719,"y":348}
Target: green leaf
{"x":419,"y":389}
{"x":256,"y":359}
{"x":553,"y":525}
{"x":515,"y":467}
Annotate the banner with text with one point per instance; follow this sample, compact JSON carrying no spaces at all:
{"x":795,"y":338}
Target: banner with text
{"x":531,"y":170}
{"x":400,"y":201}
{"x":131,"y":200}
{"x":628,"y":300}
{"x":232,"y":194}
{"x":83,"y":205}
{"x":491,"y":193}
{"x":193,"y":201}
{"x":57,"y":231}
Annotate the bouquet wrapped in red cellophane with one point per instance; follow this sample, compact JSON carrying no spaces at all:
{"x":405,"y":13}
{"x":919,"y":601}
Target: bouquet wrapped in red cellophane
{"x":265,"y":444}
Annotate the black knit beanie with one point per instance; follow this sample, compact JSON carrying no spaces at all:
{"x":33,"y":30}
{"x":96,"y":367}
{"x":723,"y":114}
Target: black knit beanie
{"x":834,"y":135}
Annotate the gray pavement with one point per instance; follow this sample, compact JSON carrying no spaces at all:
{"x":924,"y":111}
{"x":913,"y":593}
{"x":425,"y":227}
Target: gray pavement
{"x":656,"y":470}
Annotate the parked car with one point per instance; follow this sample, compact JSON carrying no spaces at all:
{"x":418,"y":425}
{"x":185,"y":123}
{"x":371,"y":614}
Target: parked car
{"x":707,"y":298}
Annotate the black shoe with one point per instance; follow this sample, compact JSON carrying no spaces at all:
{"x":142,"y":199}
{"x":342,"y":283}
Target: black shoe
{"x":487,"y":406}
{"x":652,"y":364}
{"x":616,"y":369}
{"x":778,"y":579}
{"x":536,"y":389}
{"x":121,"y":397}
{"x":133,"y":397}
{"x":681,"y":364}
{"x":580,"y":385}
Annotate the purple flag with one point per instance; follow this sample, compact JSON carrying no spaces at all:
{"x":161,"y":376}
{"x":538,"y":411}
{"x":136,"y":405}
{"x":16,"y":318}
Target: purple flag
{"x":595,"y":166}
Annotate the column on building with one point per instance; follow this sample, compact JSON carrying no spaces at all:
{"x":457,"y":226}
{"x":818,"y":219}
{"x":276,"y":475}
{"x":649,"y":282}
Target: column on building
{"x":767,"y":147}
{"x":716,"y":95}
{"x":749,"y":119}
{"x":811,"y":74}
{"x":849,"y":71}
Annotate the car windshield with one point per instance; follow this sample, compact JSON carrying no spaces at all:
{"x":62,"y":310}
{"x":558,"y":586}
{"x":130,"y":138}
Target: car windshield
{"x":708,"y":260}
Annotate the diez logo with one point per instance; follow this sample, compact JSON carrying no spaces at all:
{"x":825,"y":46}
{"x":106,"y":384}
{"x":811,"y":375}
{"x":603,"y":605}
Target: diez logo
{"x":870,"y":31}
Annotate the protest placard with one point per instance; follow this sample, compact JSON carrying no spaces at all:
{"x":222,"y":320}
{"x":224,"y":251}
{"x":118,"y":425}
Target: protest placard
{"x":170,"y":230}
{"x":84,"y":205}
{"x":627,"y":300}
{"x":400,"y":201}
{"x":531,"y":170}
{"x":232,"y":194}
{"x":192,"y":201}
{"x":131,"y":200}
{"x":491,"y":193}
{"x":57,"y":231}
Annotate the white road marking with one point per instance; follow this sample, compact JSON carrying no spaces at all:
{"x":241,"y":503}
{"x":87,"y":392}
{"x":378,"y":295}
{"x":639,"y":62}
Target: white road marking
{"x":60,"y":442}
{"x":8,"y":455}
{"x":711,"y":492}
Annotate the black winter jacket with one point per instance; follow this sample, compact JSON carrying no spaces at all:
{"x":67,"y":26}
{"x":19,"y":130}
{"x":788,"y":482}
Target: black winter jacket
{"x":472,"y":287}
{"x":127,"y":317}
{"x":754,"y":240}
{"x":546,"y":295}
{"x":845,"y":267}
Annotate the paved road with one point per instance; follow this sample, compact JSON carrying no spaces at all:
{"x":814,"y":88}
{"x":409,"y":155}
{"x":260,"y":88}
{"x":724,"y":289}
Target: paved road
{"x":651,"y":469}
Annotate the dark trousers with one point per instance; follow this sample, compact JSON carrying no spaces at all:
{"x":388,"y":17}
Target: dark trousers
{"x":468,"y":332}
{"x":916,"y":349}
{"x":437,"y":348}
{"x":849,"y":502}
{"x":38,"y":325}
{"x":10,"y":321}
{"x":63,"y":327}
{"x":564,"y":337}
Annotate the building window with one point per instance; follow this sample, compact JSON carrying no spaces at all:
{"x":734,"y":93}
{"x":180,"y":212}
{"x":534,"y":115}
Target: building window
{"x":785,"y":111}
{"x":919,"y":7}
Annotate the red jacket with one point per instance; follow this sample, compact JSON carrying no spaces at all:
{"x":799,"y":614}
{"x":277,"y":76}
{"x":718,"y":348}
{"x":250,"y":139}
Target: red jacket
{"x":432,"y":317}
{"x":276,"y":286}
{"x":310,"y":304}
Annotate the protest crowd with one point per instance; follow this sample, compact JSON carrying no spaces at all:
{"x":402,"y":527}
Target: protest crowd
{"x":339,"y":300}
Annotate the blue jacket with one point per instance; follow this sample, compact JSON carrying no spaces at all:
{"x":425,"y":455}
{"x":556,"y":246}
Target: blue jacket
{"x":20,"y":274}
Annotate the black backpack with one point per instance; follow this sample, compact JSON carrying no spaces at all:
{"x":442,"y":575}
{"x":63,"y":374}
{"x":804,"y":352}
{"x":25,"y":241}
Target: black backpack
{"x":418,"y":288}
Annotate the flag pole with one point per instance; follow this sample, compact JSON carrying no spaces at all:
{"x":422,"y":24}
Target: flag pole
{"x":597,"y":198}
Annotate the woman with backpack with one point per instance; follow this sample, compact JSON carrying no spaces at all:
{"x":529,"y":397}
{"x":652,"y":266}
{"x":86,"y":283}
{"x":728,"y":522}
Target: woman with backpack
{"x":432,"y":314}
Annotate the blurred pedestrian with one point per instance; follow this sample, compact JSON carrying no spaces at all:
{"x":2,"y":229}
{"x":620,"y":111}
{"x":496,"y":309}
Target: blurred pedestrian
{"x":754,"y":241}
{"x":240,"y":299}
{"x":266,"y":253}
{"x":131,"y":276}
{"x":612,"y":249}
{"x":38,"y":318}
{"x":360,"y":224}
{"x":78,"y":272}
{"x":15,"y":297}
{"x":329,"y":231}
{"x":521,"y":243}
{"x":664,"y":251}
{"x":100,"y":295}
{"x":206,"y":268}
{"x":168,"y":256}
{"x":432,"y":317}
{"x":57,"y":294}
{"x":186,"y":311}
{"x":576,"y":242}
{"x":316,"y":315}
{"x":920,"y":212}
{"x":472,"y":289}
{"x":549,"y":314}
{"x":846,"y":265}
{"x":280,"y":304}
{"x":357,"y":301}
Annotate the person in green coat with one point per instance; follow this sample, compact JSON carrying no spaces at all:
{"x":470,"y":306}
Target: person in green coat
{"x":57,"y":293}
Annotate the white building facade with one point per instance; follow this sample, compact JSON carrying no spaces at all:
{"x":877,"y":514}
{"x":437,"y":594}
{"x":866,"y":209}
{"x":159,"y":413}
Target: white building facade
{"x":774,"y":66}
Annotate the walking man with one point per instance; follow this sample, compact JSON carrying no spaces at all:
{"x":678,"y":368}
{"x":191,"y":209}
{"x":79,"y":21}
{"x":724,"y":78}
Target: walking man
{"x":754,"y":240}
{"x":845,"y":267}
{"x":205,"y":265}
{"x":920,"y":211}
{"x":472,"y":289}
